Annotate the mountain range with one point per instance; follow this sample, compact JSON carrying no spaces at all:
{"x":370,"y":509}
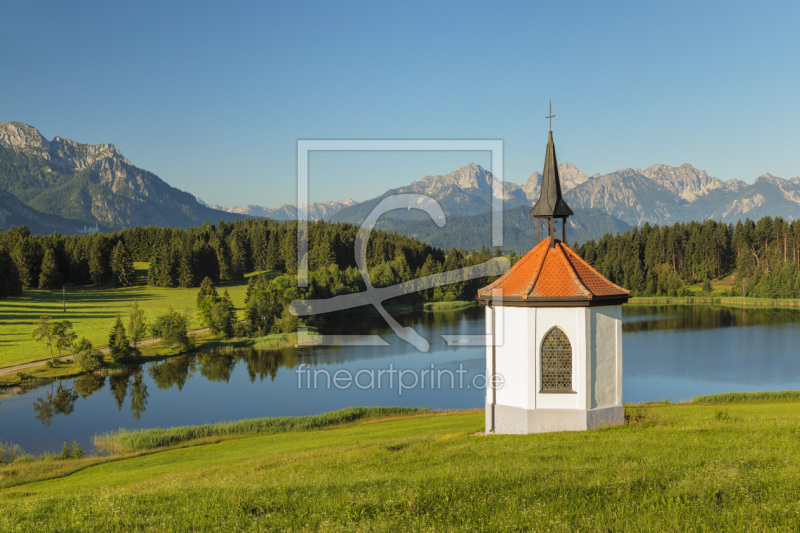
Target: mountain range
{"x":659,"y":194}
{"x":61,"y":185}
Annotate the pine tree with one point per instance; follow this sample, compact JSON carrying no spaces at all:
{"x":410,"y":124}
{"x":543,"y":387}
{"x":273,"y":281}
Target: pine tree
{"x":238,"y":259}
{"x":118,"y":343}
{"x":10,"y":284}
{"x":97,"y":260}
{"x":137,"y":325}
{"x":186,"y":269}
{"x":49,"y":275}
{"x":122,"y":266}
{"x":224,"y":261}
{"x":273,"y":255}
{"x":207,"y":288}
{"x":24,"y":257}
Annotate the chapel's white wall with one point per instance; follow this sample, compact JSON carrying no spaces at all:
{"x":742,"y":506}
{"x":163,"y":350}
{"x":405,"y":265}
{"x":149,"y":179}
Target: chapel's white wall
{"x":513,"y":358}
{"x":604,"y":356}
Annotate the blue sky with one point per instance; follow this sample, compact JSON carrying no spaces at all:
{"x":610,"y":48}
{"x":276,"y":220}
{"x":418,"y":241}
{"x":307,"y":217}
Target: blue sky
{"x":213,"y":97}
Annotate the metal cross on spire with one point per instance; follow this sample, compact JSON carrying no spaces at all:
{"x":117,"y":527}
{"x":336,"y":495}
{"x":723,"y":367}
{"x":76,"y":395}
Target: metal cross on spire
{"x":551,"y":116}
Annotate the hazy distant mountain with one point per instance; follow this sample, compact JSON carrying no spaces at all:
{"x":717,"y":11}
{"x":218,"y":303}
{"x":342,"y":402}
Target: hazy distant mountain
{"x":661,"y":194}
{"x":316,"y":211}
{"x":570,"y":175}
{"x":90,"y":184}
{"x":466,"y":191}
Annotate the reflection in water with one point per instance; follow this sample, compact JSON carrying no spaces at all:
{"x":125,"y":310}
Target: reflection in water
{"x":217,"y":366}
{"x":173,"y":372}
{"x":637,"y":318}
{"x":120,"y":382}
{"x":62,"y":402}
{"x":669,"y":352}
{"x":88,"y":384}
{"x":678,"y":352}
{"x":138,"y":394}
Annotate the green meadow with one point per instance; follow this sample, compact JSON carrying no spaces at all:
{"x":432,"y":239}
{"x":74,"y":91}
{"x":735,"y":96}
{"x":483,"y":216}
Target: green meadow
{"x":692,"y":467}
{"x":92,"y":311}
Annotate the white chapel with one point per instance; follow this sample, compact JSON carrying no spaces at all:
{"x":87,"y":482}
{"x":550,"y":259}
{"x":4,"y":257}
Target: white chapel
{"x":555,"y":325}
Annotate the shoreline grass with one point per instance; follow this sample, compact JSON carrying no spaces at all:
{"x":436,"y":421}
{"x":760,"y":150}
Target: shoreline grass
{"x":780,"y":396}
{"x":123,"y":441}
{"x":728,"y":301}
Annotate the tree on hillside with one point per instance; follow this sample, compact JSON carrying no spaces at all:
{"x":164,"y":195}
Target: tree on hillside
{"x":122,"y":269}
{"x":10,"y":284}
{"x":223,"y":317}
{"x":63,"y":336}
{"x":238,"y":265}
{"x":86,"y":356}
{"x":172,"y":328}
{"x":207,"y":288}
{"x":263,"y":305}
{"x":205,"y":260}
{"x":24,"y":255}
{"x":137,"y":325}
{"x":273,"y":255}
{"x":186,"y":275}
{"x":163,"y":267}
{"x":118,"y":343}
{"x":49,"y":275}
{"x":42,"y":331}
{"x":98,"y":258}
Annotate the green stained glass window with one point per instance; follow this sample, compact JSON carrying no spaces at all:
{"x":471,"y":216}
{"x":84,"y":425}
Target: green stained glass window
{"x":556,"y":362}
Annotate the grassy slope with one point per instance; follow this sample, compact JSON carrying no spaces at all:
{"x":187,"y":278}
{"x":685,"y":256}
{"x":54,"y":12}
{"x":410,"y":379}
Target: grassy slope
{"x":92,"y":312}
{"x":675,"y":468}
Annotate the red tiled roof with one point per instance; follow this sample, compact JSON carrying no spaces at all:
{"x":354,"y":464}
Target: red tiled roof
{"x":552,"y":274}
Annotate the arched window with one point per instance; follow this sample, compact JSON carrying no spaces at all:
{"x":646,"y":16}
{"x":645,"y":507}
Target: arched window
{"x":556,"y":362}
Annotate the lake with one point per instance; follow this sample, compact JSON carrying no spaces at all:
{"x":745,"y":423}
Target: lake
{"x":670,"y":352}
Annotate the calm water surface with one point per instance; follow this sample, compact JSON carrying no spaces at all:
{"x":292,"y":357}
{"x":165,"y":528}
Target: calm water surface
{"x":674,"y":352}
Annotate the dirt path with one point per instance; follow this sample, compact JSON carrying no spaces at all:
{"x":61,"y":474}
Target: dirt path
{"x":66,"y":358}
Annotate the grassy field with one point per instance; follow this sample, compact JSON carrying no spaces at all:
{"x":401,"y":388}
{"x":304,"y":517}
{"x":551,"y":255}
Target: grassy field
{"x":690,"y":467}
{"x":91,"y":310}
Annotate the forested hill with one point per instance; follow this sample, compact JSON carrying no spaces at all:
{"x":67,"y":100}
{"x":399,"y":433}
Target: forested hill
{"x":762,"y":258}
{"x":225,"y":252}
{"x":519,"y":229}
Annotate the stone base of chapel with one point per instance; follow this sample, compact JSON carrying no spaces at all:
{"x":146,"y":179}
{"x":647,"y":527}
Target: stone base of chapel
{"x":518,"y":421}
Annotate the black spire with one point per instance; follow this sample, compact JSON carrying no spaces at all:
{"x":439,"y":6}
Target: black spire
{"x":551,"y":205}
